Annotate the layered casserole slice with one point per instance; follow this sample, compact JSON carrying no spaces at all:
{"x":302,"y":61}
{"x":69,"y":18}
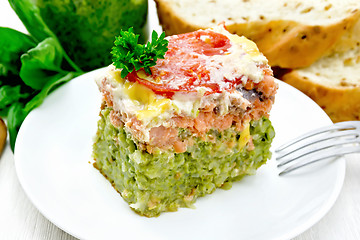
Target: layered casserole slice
{"x":198,"y":122}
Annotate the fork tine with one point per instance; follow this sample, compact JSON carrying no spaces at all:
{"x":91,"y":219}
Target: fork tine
{"x":297,"y":166}
{"x":325,"y":143}
{"x":334,"y":127}
{"x":300,"y":145}
{"x":340,"y":152}
{"x":330,"y":146}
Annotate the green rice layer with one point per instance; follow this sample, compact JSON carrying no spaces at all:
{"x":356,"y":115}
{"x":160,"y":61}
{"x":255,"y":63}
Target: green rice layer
{"x":164,"y":180}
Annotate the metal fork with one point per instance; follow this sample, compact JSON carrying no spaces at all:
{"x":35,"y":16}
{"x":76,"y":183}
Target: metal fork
{"x":323,"y":143}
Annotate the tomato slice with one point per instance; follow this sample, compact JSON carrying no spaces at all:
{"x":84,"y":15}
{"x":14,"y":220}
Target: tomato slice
{"x":184,"y":67}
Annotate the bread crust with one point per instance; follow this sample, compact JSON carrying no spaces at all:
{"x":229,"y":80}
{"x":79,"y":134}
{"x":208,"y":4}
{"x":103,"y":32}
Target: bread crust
{"x":287,"y":44}
{"x":172,"y":24}
{"x":341,"y":103}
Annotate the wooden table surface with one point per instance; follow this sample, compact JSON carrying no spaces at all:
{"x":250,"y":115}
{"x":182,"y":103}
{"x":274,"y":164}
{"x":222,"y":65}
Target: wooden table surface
{"x":19,"y":219}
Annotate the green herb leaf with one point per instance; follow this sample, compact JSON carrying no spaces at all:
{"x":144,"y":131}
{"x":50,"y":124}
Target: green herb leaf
{"x":9,"y":95}
{"x":30,"y":66}
{"x":18,"y":111}
{"x":12,"y":89}
{"x":30,"y":16}
{"x":41,"y":72}
{"x":129,"y":55}
{"x":15,"y":117}
{"x":42,"y":63}
{"x":49,"y":87}
{"x":12,"y":45}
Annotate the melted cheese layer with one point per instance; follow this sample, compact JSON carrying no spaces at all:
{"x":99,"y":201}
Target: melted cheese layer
{"x":133,"y":99}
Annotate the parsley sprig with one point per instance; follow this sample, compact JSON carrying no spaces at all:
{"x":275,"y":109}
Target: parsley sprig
{"x":129,"y":55}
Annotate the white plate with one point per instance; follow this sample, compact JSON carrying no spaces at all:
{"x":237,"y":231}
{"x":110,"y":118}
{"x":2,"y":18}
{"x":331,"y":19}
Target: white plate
{"x":53,"y":155}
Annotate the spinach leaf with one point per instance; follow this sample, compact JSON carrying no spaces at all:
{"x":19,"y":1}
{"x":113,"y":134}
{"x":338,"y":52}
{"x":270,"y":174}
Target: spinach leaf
{"x":9,"y":95}
{"x":12,"y":89}
{"x":30,"y":66}
{"x":12,"y":45}
{"x":30,"y":16}
{"x":19,"y":111}
{"x":49,"y":87}
{"x":15,"y":117}
{"x":27,"y":80}
{"x":41,"y":64}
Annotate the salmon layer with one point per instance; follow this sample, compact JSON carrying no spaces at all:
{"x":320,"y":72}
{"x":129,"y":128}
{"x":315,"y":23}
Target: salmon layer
{"x":255,"y":103}
{"x":165,"y":180}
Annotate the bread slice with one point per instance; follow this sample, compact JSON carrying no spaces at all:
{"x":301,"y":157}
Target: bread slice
{"x":291,"y":34}
{"x":333,"y":82}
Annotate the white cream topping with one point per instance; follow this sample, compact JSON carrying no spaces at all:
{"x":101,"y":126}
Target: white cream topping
{"x":241,"y":60}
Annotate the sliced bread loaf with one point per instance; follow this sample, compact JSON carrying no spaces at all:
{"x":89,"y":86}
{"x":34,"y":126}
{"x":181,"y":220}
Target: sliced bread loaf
{"x":291,"y":34}
{"x":333,"y":82}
